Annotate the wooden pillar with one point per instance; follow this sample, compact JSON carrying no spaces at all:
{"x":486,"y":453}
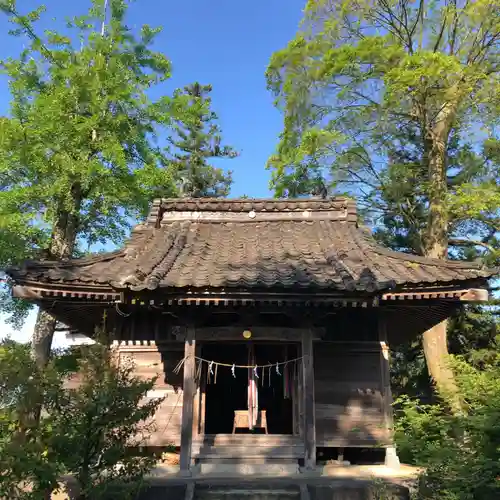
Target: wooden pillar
{"x":189,"y":392}
{"x":391,"y":458}
{"x":308,"y":398}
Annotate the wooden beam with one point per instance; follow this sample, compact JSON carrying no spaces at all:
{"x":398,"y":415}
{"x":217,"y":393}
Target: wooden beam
{"x":26,"y":292}
{"x":223,"y":300}
{"x":308,"y":395}
{"x":190,"y":487}
{"x":295,"y":403}
{"x":38,"y":291}
{"x":189,"y":392}
{"x":228,"y":333}
{"x":304,"y":492}
{"x":199,"y":402}
{"x":300,"y":402}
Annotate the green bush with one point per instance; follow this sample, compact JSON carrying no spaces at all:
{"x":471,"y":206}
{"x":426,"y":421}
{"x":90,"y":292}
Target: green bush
{"x":460,"y":452}
{"x":91,"y":431}
{"x":27,"y":466}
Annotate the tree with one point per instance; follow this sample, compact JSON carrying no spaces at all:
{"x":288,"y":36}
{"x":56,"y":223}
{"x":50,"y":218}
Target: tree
{"x":402,"y":202}
{"x":376,"y":95}
{"x":18,"y":238}
{"x":98,"y":426}
{"x":401,"y":206}
{"x":78,"y":158}
{"x":197,"y":140}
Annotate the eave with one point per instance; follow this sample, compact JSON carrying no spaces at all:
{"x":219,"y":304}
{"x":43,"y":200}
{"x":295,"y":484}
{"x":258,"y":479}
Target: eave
{"x":39,"y":292}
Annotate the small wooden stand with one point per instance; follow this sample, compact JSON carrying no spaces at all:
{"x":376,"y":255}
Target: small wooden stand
{"x":241,"y":420}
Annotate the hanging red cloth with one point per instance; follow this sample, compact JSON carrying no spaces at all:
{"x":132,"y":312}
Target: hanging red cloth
{"x":253,"y":398}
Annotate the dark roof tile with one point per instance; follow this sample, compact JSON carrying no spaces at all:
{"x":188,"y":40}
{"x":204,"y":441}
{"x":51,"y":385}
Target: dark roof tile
{"x":288,"y":253}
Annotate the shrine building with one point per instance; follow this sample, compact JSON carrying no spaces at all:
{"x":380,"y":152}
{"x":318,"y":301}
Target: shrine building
{"x":268,"y":321}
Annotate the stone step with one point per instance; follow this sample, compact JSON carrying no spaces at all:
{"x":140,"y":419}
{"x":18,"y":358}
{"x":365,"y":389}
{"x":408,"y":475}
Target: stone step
{"x":246,"y":469}
{"x":257,"y":459}
{"x":247,"y":493}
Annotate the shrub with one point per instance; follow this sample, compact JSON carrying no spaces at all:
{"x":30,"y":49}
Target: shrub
{"x":460,"y":452}
{"x":92,"y":431}
{"x":28,"y":467}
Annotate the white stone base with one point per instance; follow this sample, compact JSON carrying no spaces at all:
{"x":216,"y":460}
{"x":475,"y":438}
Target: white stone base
{"x":391,"y":458}
{"x":249,"y":469}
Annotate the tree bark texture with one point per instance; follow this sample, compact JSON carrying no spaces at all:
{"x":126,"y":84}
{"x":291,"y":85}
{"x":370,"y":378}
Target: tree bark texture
{"x":435,"y":344}
{"x":64,"y":233}
{"x":435,"y":341}
{"x":436,"y":144}
{"x":41,"y":341}
{"x":436,"y":242}
{"x":62,"y":246}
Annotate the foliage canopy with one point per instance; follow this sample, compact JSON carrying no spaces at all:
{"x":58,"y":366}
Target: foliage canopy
{"x":396,"y":102}
{"x":81,"y":155}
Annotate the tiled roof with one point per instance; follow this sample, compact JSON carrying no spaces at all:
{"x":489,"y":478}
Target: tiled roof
{"x":252,"y":244}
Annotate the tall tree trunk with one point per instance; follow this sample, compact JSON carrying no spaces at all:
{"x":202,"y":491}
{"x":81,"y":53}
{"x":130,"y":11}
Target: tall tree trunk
{"x":62,"y":245}
{"x":43,"y":334}
{"x":435,"y":344}
{"x":436,"y":237}
{"x":435,"y":341}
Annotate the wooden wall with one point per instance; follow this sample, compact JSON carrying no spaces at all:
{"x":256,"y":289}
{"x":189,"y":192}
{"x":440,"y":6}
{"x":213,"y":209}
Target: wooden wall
{"x":348,"y":394}
{"x":151,"y":361}
{"x":348,"y":372}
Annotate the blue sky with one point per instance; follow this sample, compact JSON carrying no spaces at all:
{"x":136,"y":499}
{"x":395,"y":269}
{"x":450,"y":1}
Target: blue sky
{"x":225,"y":43}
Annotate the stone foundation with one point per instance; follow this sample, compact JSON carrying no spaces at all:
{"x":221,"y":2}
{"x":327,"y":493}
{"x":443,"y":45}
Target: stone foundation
{"x":265,"y":490}
{"x":327,"y":483}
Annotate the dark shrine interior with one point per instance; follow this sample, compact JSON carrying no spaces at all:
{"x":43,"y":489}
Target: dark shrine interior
{"x":226,"y":393}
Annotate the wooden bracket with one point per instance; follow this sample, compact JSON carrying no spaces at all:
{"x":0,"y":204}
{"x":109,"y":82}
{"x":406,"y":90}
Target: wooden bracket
{"x":475,"y":295}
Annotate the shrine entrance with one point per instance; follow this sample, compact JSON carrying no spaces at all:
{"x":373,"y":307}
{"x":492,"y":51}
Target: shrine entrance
{"x":269,"y":390}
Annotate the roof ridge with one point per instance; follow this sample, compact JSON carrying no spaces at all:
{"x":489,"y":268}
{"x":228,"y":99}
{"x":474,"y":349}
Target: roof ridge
{"x":248,"y":205}
{"x":246,"y":200}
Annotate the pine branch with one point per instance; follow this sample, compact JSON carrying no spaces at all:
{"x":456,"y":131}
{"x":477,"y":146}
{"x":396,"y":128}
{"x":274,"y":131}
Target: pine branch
{"x":468,"y":242}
